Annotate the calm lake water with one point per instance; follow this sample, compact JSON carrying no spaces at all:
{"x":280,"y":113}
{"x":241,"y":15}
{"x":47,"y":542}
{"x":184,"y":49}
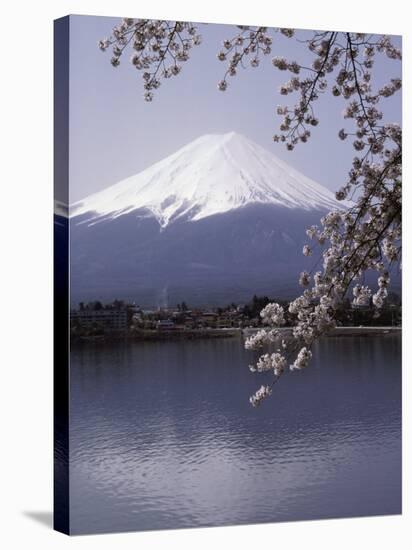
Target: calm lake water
{"x":163,"y":436}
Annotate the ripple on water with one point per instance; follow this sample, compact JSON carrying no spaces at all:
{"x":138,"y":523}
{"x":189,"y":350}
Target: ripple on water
{"x":163,"y":436}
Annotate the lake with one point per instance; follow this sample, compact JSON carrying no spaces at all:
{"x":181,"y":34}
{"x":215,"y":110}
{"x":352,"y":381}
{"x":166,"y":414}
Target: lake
{"x":163,"y":435}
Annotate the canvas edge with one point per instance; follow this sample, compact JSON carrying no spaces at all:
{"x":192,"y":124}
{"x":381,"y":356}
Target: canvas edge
{"x":61,"y":388}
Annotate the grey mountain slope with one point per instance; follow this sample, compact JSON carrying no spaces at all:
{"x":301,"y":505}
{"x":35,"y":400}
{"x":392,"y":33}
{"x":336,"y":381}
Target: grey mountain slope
{"x":216,"y":260}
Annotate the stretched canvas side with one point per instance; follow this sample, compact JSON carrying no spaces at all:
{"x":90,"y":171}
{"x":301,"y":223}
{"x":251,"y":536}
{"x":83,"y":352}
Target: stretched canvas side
{"x":61,"y":275}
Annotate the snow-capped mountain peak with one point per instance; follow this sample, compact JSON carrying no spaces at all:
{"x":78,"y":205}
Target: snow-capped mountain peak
{"x":211,"y":175}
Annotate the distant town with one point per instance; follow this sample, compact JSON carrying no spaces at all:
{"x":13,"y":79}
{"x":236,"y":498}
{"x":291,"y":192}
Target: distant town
{"x":95,"y":320}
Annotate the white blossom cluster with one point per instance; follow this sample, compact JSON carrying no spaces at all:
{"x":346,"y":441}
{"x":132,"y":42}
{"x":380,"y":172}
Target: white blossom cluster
{"x":362,"y":295}
{"x":261,"y":338}
{"x":378,"y":299}
{"x":159,"y":48}
{"x":267,"y":362}
{"x":273,"y":314}
{"x":307,"y":251}
{"x":302,"y":360}
{"x":304,"y":278}
{"x":261,"y":393}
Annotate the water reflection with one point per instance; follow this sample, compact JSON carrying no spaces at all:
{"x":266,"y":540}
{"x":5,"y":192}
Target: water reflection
{"x":163,"y":436}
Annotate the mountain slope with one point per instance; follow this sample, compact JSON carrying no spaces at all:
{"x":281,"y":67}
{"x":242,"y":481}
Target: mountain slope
{"x":213,"y":261}
{"x":212,"y":175}
{"x":218,"y":221}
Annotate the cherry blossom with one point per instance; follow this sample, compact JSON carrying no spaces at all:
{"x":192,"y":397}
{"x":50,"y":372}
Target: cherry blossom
{"x":159,"y":48}
{"x":261,"y":393}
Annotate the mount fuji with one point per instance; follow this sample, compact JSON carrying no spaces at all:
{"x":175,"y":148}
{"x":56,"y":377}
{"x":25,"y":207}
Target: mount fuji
{"x":217,"y":221}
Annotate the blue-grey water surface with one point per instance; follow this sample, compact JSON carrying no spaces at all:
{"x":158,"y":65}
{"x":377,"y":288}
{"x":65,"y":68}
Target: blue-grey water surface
{"x":163,"y":436}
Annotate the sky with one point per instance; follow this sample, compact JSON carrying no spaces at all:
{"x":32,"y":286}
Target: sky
{"x":114,"y":133}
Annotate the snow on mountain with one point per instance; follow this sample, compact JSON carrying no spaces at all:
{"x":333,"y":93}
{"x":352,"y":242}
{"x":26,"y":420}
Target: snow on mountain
{"x":211,"y":175}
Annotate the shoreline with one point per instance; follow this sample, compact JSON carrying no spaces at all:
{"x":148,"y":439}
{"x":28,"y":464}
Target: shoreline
{"x":341,"y":331}
{"x":209,"y":334}
{"x":161,"y":336}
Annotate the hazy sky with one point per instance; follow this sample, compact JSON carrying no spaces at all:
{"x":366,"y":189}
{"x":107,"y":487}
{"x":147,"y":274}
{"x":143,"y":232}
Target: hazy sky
{"x":114,"y":133}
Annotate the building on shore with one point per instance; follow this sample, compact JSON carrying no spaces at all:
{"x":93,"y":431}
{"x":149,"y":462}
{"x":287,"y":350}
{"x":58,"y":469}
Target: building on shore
{"x":166,"y":325}
{"x":107,"y":319}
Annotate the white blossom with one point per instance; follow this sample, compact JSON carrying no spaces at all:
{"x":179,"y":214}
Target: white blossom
{"x":222,"y":85}
{"x":307,"y":250}
{"x":261,"y":393}
{"x":273,"y":314}
{"x":280,"y":63}
{"x":302,"y":359}
{"x":342,"y":134}
{"x":304,"y":278}
{"x":362,"y":295}
{"x":378,"y":299}
{"x":261,"y":338}
{"x":267,"y":362}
